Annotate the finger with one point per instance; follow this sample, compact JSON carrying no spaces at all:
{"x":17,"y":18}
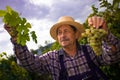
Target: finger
{"x":104,"y":26}
{"x":6,"y":27}
{"x":90,"y":23}
{"x":94,"y":19}
{"x":98,"y":22}
{"x":101,"y":22}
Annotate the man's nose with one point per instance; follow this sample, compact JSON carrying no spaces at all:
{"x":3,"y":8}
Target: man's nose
{"x":63,"y":34}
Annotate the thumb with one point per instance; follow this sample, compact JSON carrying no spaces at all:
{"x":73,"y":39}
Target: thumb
{"x":7,"y":28}
{"x":90,"y":22}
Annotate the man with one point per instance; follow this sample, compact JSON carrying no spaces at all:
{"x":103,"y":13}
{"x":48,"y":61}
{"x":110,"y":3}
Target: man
{"x":72,"y":61}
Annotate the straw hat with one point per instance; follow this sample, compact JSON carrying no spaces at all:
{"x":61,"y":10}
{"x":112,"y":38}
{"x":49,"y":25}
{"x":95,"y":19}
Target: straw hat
{"x":65,"y":20}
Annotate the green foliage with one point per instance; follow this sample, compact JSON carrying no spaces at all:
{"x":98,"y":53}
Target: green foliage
{"x":36,"y":76}
{"x":19,"y":26}
{"x":112,"y":17}
{"x":9,"y":70}
{"x":49,"y":46}
{"x":112,"y":71}
{"x":2,"y":13}
{"x":56,"y":46}
{"x":53,"y":46}
{"x":34,"y":37}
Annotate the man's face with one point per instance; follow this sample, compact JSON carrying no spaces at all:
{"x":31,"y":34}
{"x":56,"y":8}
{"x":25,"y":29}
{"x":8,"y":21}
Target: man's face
{"x":66,"y":36}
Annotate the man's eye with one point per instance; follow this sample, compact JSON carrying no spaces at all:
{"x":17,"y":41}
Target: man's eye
{"x":66,"y":31}
{"x":59,"y":33}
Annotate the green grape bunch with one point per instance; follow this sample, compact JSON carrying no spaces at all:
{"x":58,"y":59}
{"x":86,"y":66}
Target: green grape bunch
{"x":18,"y":26}
{"x":94,"y":38}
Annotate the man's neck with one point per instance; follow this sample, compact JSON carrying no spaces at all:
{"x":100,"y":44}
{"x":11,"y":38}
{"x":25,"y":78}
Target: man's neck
{"x":71,"y":50}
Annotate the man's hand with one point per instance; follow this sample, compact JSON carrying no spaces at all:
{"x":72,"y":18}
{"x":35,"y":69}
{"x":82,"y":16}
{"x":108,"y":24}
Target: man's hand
{"x":8,"y":29}
{"x":97,"y":22}
{"x":11,"y":31}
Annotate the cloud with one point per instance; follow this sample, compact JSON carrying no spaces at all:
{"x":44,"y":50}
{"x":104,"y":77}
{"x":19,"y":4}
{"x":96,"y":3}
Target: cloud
{"x":34,"y":11}
{"x":5,"y":44}
{"x":51,"y":9}
{"x":42,"y":14}
{"x":38,"y":2}
{"x":26,"y":9}
{"x":72,"y":8}
{"x":42,"y":28}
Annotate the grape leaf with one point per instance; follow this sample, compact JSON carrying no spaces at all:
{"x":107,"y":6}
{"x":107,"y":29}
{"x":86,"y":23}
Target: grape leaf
{"x":19,"y":26}
{"x":9,"y":9}
{"x":34,"y":36}
{"x":2,"y":13}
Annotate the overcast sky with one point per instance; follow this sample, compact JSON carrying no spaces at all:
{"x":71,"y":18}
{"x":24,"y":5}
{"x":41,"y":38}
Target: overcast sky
{"x":42,"y":14}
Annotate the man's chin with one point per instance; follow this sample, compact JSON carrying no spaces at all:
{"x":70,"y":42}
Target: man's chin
{"x":64,"y":46}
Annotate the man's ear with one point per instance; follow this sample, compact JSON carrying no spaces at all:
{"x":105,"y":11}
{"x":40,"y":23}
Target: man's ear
{"x":77,"y":35}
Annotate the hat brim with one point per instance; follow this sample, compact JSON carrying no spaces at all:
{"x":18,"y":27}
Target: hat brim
{"x":77,"y":25}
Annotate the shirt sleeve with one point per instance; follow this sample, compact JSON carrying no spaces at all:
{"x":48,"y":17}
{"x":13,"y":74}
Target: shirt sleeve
{"x":111,"y":50}
{"x":29,"y":61}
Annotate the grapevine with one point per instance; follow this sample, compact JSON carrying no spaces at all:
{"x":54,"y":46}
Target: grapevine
{"x":10,"y":70}
{"x":20,"y":28}
{"x":94,"y":38}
